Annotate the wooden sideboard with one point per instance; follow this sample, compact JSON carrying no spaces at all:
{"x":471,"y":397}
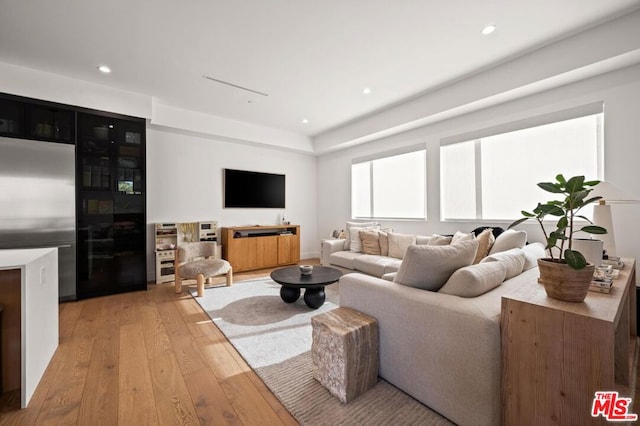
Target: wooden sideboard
{"x":256,"y":247}
{"x":556,"y":355}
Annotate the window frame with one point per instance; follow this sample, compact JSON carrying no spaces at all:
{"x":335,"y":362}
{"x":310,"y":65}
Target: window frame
{"x":382,"y":156}
{"x":476,"y":136}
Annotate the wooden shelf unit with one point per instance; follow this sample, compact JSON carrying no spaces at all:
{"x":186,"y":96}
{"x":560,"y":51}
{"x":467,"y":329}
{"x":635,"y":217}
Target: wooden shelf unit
{"x":256,"y":247}
{"x":556,"y":355}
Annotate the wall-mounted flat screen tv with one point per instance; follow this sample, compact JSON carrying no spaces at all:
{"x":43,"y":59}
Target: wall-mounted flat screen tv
{"x":253,"y":189}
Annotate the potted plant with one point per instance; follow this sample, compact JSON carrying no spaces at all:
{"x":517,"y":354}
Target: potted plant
{"x":566,"y":274}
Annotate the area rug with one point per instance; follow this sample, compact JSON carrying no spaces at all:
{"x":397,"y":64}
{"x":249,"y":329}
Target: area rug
{"x":275,"y":339}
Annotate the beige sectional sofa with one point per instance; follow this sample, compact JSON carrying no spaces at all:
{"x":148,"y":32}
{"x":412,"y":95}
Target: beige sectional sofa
{"x":441,"y":347}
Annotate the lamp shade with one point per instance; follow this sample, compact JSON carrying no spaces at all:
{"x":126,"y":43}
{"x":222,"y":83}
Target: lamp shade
{"x":610,"y":194}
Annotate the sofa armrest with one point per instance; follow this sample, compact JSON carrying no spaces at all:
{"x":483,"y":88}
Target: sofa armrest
{"x":330,"y":246}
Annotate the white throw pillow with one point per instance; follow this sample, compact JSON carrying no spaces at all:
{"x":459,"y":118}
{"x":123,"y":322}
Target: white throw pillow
{"x":513,"y":260}
{"x":461,"y":236}
{"x":474,"y":280}
{"x":485,"y":242}
{"x":398,"y":244}
{"x":439,"y":240}
{"x":532,"y":253}
{"x":347,"y":244}
{"x":509,"y":239}
{"x":429,"y":267}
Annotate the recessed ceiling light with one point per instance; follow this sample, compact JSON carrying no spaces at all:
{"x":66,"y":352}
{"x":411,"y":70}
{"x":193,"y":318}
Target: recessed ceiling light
{"x":366,"y":91}
{"x":488,"y":29}
{"x":105,"y":69}
{"x":305,"y":121}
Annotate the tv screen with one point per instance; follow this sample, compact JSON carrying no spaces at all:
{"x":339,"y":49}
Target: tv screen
{"x":253,"y":189}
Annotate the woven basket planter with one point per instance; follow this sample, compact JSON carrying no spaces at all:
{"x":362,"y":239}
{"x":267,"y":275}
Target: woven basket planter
{"x":562,"y":282}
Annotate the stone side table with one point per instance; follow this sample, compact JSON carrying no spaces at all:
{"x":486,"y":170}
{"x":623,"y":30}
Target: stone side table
{"x":345,"y":352}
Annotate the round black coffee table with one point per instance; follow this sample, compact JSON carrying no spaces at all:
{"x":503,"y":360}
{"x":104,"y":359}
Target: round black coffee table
{"x":292,"y":281}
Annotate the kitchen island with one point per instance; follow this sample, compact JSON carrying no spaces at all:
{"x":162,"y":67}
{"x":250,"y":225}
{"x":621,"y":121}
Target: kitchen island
{"x":29,"y":293}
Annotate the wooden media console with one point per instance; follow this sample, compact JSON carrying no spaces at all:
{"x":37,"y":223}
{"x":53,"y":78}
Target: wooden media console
{"x":257,"y":247}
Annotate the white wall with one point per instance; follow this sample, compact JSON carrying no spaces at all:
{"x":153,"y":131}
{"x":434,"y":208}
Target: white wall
{"x":184,"y":184}
{"x":620,"y":91}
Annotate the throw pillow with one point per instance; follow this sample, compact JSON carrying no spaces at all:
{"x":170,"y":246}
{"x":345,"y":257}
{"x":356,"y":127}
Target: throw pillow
{"x":383,"y":240}
{"x":513,"y":260}
{"x":495,"y":230}
{"x":439,"y":240}
{"x":474,"y":280}
{"x":485,"y":241}
{"x":370,"y":241}
{"x":398,"y":244}
{"x":461,"y":236}
{"x":429,"y":267}
{"x":509,"y":239}
{"x":347,"y":244}
{"x":532,"y":253}
{"x":354,"y":237}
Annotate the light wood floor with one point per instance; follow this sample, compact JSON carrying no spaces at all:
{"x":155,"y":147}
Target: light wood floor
{"x":146,"y":358}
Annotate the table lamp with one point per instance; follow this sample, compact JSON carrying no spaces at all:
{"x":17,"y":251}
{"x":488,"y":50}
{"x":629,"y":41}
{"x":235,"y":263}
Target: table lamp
{"x":602,"y":211}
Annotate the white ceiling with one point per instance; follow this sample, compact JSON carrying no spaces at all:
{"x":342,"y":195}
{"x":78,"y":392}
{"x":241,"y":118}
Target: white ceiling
{"x":312,"y":58}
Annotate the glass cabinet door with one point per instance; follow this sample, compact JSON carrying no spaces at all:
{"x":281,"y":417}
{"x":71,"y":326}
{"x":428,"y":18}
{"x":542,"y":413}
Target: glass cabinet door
{"x":11,"y":118}
{"x":111,"y":204}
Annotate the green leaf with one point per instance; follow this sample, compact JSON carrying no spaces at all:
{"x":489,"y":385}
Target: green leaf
{"x":563,"y":222}
{"x":575,"y":184}
{"x":593,"y":229}
{"x":551,"y":187}
{"x":575,"y":259}
{"x":592,"y":200}
{"x":582,"y":217}
{"x":527,"y":214}
{"x":560,"y":178}
{"x":591,"y":183}
{"x":552,"y":209}
{"x":518,"y":222}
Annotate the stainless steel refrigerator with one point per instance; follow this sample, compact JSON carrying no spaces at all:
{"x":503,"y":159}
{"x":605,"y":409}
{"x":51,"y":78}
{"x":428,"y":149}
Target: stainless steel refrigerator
{"x":37,"y":202}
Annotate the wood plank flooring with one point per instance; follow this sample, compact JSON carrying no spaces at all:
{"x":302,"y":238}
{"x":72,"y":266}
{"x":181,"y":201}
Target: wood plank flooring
{"x":146,"y":358}
{"x":149,"y":358}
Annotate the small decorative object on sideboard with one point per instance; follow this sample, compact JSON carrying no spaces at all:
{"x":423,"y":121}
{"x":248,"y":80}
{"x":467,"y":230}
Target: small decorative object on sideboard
{"x":566,"y":275}
{"x":306,"y":269}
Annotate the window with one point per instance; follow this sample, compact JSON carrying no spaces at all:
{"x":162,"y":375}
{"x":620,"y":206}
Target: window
{"x":392,"y":187}
{"x":493,"y":175}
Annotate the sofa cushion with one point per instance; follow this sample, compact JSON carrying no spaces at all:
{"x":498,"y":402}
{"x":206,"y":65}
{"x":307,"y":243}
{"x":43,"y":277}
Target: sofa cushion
{"x":474,"y":280}
{"x":532,"y":253}
{"x":370,"y":241}
{"x":439,"y":240}
{"x":383,"y":240}
{"x":347,"y":245}
{"x":372,"y":264}
{"x":398,"y":243}
{"x":509,"y":239}
{"x":344,"y":258}
{"x":513,"y":260}
{"x":392,"y":266}
{"x":461,"y":236}
{"x":485,"y":242}
{"x":429,"y":267}
{"x":389,"y":276}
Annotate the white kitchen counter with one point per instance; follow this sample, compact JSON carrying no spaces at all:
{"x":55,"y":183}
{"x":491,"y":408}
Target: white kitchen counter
{"x":38,"y":305}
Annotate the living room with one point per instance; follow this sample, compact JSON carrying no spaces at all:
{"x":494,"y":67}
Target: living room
{"x":188,"y":149}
